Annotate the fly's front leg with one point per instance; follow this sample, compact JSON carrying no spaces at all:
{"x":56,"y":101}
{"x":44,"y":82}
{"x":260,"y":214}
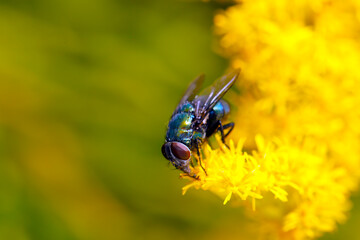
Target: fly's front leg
{"x":199,"y":156}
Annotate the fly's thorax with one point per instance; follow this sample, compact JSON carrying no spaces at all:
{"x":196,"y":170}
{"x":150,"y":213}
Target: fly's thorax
{"x":187,"y":107}
{"x":180,"y":128}
{"x":198,"y":137}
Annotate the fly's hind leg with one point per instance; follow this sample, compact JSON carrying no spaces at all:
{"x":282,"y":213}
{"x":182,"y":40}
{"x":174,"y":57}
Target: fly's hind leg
{"x":224,"y":127}
{"x":229,"y":125}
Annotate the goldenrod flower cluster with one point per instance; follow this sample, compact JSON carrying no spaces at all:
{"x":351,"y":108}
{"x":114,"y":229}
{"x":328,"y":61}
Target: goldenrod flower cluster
{"x":296,"y":154}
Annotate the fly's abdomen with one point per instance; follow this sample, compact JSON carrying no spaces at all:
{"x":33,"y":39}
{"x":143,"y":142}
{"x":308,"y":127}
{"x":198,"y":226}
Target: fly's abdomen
{"x":220,"y":110}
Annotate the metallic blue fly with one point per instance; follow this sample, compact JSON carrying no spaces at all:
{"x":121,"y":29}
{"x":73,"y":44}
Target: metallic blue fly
{"x":196,"y":118}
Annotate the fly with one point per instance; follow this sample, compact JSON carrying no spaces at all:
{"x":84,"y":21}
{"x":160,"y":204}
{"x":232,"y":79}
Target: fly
{"x":195,"y":119}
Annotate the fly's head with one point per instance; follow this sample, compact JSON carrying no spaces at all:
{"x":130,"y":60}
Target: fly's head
{"x":178,"y":154}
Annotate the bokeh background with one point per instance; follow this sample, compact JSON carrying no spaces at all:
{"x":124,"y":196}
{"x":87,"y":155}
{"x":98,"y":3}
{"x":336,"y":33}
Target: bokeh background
{"x":86,"y":90}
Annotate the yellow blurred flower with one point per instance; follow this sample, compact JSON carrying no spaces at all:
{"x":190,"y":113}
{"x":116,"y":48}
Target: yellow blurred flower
{"x":298,"y":110}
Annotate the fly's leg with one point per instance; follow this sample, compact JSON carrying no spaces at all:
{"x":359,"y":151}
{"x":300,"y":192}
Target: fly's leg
{"x":191,"y":164}
{"x":224,"y":127}
{"x":193,"y":176}
{"x":199,"y":156}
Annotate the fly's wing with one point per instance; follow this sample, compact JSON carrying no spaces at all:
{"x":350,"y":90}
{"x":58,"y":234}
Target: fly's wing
{"x":192,"y":90}
{"x":207,"y":99}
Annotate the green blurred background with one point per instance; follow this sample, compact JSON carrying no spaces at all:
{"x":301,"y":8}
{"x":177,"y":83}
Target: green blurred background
{"x":86,"y":90}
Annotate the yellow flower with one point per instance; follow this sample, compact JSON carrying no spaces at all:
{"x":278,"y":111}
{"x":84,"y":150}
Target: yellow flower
{"x":232,"y":172}
{"x":314,"y":193}
{"x":298,"y":109}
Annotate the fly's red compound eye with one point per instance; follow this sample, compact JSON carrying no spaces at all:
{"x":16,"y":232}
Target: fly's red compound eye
{"x":163,"y":150}
{"x":180,"y":150}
